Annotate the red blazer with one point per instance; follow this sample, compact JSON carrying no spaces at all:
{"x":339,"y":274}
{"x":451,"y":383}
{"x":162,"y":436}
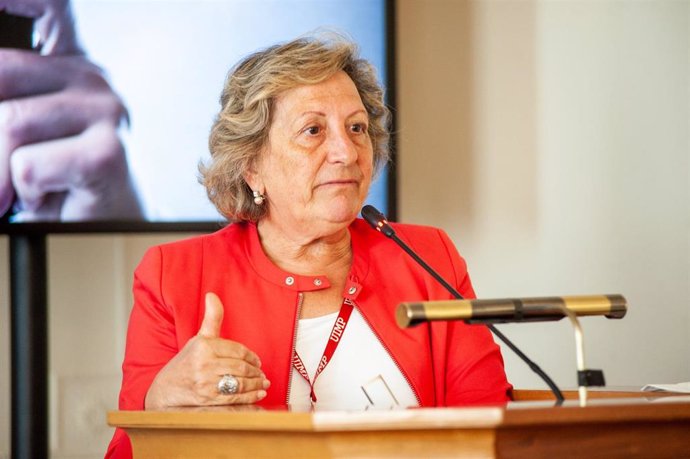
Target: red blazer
{"x":446,"y":363}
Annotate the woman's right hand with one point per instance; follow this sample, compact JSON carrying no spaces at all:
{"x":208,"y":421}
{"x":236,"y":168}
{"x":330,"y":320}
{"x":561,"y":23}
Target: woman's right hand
{"x":191,"y":377}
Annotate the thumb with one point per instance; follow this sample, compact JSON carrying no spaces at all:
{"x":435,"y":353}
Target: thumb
{"x":213,"y":317}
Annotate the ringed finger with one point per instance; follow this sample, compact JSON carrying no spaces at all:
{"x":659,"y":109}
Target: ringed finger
{"x":246,"y":385}
{"x":254,"y":384}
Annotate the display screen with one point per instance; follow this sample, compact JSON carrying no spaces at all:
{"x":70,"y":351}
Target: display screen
{"x":121,"y":147}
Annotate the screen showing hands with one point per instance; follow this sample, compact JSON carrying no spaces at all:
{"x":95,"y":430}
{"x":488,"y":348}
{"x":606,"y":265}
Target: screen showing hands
{"x":62,"y":155}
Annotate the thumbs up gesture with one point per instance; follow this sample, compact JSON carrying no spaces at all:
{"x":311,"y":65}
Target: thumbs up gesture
{"x":191,"y":377}
{"x":213,"y":317}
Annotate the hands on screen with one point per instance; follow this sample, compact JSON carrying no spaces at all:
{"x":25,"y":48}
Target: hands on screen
{"x":191,"y":377}
{"x":53,"y":21}
{"x":62,"y":155}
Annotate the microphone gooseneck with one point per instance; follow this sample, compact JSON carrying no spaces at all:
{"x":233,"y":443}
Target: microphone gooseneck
{"x":378,"y":221}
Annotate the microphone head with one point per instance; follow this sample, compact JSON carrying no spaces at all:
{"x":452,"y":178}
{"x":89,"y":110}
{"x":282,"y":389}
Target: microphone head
{"x":377,"y":220}
{"x":372,"y":215}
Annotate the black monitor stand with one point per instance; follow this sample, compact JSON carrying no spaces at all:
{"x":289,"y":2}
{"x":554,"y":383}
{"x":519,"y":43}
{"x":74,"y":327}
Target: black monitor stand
{"x":29,"y":345}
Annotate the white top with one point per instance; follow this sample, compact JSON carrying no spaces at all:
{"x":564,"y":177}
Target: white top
{"x":360,"y":376}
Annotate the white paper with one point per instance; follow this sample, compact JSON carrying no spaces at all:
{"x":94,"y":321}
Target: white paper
{"x":683,"y":388}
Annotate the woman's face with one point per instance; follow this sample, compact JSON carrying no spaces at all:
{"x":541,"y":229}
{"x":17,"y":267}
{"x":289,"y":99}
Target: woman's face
{"x":318,"y":163}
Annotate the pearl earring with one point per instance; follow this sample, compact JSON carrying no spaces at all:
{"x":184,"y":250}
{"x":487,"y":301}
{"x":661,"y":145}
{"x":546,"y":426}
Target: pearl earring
{"x":258,"y":198}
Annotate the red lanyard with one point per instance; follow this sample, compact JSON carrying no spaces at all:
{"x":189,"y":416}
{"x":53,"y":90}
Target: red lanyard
{"x":331,"y":345}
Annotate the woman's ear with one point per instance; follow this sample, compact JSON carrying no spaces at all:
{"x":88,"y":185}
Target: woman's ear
{"x":252,"y":177}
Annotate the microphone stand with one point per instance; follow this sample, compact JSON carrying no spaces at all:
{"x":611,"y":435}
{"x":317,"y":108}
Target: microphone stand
{"x":378,"y":221}
{"x":585,"y":377}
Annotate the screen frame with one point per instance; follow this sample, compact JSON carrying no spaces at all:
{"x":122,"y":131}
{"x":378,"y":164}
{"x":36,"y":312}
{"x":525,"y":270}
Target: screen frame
{"x":144,"y":226}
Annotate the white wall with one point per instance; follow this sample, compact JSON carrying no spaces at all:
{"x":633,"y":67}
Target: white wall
{"x":550,"y":139}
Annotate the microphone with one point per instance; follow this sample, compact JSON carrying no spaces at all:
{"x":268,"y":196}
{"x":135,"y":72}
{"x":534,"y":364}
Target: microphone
{"x":510,"y":309}
{"x":378,"y":221}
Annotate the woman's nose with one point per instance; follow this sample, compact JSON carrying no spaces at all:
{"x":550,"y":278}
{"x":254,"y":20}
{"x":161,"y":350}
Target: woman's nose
{"x":341,"y":148}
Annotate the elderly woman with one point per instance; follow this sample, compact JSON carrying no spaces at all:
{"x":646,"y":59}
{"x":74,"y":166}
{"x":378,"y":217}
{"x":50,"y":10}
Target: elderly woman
{"x":244,"y":315}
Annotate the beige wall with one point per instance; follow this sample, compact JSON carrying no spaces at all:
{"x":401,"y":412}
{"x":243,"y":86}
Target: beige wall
{"x":550,"y":139}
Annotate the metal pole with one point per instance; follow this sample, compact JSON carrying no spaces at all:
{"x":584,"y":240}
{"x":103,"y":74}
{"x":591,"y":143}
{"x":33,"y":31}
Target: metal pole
{"x":579,"y":351}
{"x":29,"y":328}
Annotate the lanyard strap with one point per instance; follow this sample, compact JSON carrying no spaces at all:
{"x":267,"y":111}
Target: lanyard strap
{"x":331,"y":346}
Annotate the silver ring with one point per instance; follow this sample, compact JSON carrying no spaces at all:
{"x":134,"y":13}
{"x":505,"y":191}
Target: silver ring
{"x":228,"y":385}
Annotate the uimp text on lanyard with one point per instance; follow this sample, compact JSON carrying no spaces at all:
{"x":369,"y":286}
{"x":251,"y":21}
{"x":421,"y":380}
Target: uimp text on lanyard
{"x":331,"y":346}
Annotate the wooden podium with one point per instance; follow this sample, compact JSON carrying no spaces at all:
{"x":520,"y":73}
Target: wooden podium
{"x":658,"y":427}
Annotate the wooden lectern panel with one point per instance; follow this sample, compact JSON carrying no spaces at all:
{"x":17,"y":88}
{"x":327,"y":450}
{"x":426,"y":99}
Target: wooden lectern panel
{"x":610,"y":428}
{"x":356,"y":444}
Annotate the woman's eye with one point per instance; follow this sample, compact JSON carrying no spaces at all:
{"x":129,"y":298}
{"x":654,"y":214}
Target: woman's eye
{"x":358,"y":128}
{"x":313,"y":130}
